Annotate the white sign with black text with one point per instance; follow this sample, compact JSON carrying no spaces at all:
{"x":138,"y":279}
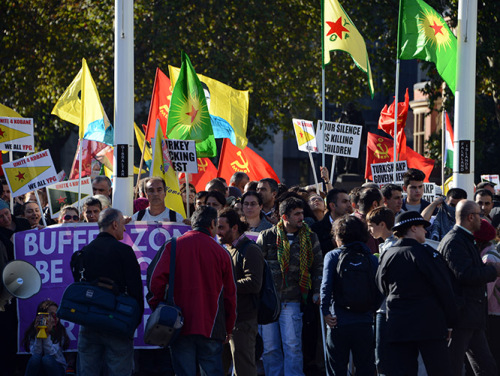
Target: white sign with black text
{"x":341,"y":139}
{"x":183,"y":155}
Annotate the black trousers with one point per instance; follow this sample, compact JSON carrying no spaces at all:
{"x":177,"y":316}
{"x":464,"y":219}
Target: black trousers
{"x":403,"y":358}
{"x":473,"y":343}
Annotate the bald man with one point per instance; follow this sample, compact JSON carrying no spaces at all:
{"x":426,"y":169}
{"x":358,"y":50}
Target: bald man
{"x":471,"y":275}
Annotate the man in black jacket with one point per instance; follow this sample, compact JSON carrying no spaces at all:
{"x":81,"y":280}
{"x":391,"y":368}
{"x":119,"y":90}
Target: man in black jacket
{"x":106,"y":257}
{"x":471,"y":275}
{"x":338,"y":203}
{"x":420,"y":303}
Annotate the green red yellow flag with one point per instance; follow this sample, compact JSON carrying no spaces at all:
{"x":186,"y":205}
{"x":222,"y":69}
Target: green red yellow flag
{"x":423,"y":34}
{"x":339,"y":33}
{"x":188,"y":118}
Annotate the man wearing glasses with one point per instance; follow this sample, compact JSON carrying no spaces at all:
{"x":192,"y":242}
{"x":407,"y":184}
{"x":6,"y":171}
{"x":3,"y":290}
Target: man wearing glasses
{"x":471,"y":275}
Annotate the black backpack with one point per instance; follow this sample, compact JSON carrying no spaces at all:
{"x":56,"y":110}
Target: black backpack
{"x":355,"y":287}
{"x":267,"y":300}
{"x":172,"y":215}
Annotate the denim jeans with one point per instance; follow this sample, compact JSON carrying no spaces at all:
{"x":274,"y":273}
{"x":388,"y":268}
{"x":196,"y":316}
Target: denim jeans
{"x":96,"y":348}
{"x":286,"y":332}
{"x":381,"y":357}
{"x":44,"y":365}
{"x":188,"y":350}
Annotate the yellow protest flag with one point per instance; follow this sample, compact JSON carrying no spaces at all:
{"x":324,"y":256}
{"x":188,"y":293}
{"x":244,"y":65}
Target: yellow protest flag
{"x":139,"y":136}
{"x":80,"y":104}
{"x":225,"y":102}
{"x":339,"y":33}
{"x":302,"y":136}
{"x":8,"y":112}
{"x":161,"y":166}
{"x":21,"y":176}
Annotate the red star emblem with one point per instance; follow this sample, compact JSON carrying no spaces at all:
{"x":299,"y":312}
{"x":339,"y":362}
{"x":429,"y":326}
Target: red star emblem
{"x":301,"y":134}
{"x":336,"y":28}
{"x":437,"y":28}
{"x":61,"y":199}
{"x":20,"y":176}
{"x":193,"y":113}
{"x":1,"y":132}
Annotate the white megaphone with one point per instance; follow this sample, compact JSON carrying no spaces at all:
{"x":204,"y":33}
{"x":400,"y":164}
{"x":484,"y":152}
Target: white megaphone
{"x":21,"y":280}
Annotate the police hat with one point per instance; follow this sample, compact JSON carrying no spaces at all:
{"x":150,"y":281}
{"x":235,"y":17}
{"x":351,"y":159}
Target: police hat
{"x":409,"y":218}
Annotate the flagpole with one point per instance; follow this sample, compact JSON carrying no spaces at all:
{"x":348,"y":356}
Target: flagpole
{"x":40,"y":206}
{"x":396,"y":89}
{"x":314,"y":172}
{"x":11,"y":158}
{"x":323,"y":113}
{"x":79,"y":173}
{"x":186,"y":175}
{"x":443,"y":145}
{"x":140,"y":168}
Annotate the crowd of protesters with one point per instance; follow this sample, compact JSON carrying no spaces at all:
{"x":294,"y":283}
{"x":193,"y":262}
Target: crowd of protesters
{"x":424,"y":301}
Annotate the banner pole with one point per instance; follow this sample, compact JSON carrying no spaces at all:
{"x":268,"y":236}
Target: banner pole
{"x":11,"y":158}
{"x":323,"y":113}
{"x":187,"y":195}
{"x":80,"y":174}
{"x":40,"y":206}
{"x":443,"y":145}
{"x":314,"y":172}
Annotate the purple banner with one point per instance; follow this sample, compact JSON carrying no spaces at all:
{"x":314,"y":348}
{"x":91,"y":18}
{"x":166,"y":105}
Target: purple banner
{"x":50,"y":251}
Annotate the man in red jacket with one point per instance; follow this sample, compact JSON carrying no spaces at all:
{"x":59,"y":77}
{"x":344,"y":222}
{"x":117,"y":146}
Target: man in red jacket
{"x":204,"y":289}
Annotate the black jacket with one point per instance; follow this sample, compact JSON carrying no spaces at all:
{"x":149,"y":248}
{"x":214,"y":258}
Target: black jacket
{"x":417,"y":283}
{"x":323,"y":229}
{"x":471,"y":275}
{"x":107,"y":257}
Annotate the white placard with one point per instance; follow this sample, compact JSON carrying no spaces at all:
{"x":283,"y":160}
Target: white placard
{"x":16,"y":134}
{"x":340,"y":139}
{"x":183,"y":155}
{"x":383,"y":173}
{"x":304,"y":133}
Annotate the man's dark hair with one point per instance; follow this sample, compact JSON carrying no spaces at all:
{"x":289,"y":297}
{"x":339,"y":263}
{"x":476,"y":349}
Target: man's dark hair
{"x":483,"y":192}
{"x":354,"y":195}
{"x":332,"y":195}
{"x":381,"y":214}
{"x":201,"y":195}
{"x":481,"y":185}
{"x":100,"y":178}
{"x":107,"y":217}
{"x":282,"y":188}
{"x":237,"y":177}
{"x":290,"y":204}
{"x":252,"y":194}
{"x":457,"y":194}
{"x":203,"y":217}
{"x":349,"y":229}
{"x":233,"y":218}
{"x":387,"y":190}
{"x":367,"y":197}
{"x":273,"y":184}
{"x":412,"y":174}
{"x":154,"y":178}
{"x":217,"y":195}
{"x":252,"y":185}
{"x":216,"y":185}
{"x":403,"y":230}
{"x":91,"y":202}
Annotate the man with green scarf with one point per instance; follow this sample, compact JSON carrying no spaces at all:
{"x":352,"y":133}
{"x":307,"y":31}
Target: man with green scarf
{"x":294,"y":256}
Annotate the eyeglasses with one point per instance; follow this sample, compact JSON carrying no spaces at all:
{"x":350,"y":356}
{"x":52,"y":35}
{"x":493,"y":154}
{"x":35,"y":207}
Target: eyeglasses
{"x":67,"y":217}
{"x":251,"y":203}
{"x":317,"y":198}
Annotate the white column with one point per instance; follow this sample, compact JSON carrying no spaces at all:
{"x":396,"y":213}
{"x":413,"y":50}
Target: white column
{"x":123,"y":173}
{"x":463,"y":160}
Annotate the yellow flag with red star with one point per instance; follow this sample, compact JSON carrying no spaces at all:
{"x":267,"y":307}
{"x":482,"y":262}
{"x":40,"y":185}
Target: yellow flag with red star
{"x":339,"y":33}
{"x":306,"y":138}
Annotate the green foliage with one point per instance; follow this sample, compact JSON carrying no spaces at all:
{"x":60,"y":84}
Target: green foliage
{"x":271,"y":48}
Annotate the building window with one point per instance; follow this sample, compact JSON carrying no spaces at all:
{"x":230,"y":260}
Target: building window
{"x":419,"y":132}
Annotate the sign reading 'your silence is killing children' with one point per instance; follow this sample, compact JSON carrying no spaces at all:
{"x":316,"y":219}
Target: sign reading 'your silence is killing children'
{"x":340,"y":139}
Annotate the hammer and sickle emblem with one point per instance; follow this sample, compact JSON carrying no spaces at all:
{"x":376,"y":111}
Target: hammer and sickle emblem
{"x":202,"y":165}
{"x":380,"y":153}
{"x":237,"y":166}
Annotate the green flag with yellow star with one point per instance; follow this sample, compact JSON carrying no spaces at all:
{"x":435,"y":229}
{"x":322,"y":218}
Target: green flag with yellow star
{"x":423,"y":34}
{"x":188,"y":117}
{"x":339,"y":33}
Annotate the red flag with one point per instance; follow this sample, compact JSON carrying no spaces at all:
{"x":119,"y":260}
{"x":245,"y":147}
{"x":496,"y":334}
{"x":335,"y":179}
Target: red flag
{"x":91,"y":162}
{"x":233,"y":159}
{"x":381,"y":150}
{"x":160,"y":104}
{"x":206,"y":172}
{"x":386,"y":120}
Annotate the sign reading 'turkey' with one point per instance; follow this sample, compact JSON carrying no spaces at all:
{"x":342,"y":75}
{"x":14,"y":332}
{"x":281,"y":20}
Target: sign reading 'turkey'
{"x":16,"y":134}
{"x":29,"y":173}
{"x":340,"y":139}
{"x":183,"y":155}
